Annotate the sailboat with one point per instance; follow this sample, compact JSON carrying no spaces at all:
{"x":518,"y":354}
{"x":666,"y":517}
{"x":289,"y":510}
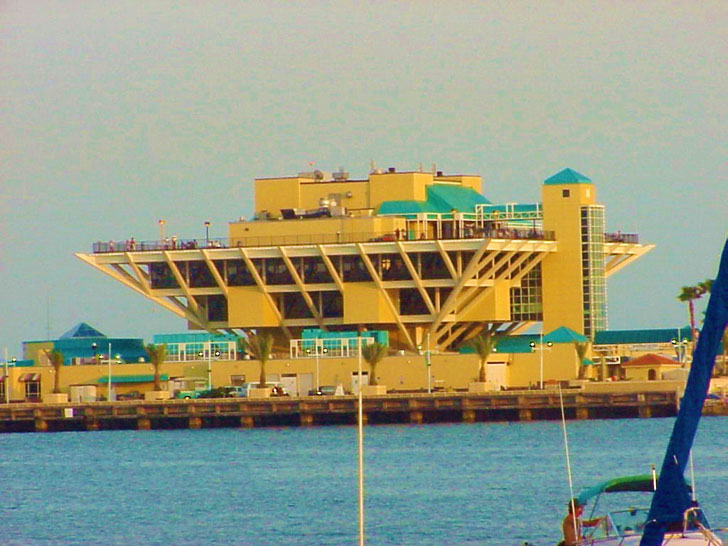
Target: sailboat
{"x":674,"y":517}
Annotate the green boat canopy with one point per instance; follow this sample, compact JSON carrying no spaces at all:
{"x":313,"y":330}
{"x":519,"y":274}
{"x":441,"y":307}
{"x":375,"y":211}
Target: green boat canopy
{"x":643,"y":483}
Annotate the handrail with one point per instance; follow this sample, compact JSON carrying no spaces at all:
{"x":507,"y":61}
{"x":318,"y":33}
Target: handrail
{"x":131,"y":245}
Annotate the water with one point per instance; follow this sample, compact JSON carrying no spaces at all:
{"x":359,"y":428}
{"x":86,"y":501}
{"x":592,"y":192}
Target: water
{"x":437,"y":484}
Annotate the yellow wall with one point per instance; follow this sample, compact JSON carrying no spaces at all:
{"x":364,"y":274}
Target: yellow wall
{"x":248,"y":307}
{"x":561,"y":271}
{"x":315,"y":230}
{"x":273,"y":194}
{"x":493,"y":307}
{"x":365,"y":304}
{"x":312,"y":192}
{"x":398,"y":187}
{"x":467,"y":181}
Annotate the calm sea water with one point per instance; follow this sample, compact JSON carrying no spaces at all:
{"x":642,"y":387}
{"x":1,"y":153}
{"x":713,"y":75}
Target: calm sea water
{"x":435,"y":484}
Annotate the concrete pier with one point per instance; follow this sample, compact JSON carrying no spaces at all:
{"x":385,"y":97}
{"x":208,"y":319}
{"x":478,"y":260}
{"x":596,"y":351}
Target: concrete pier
{"x":414,"y":408}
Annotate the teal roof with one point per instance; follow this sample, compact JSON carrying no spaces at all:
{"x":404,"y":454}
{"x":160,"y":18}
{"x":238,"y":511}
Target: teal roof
{"x":522,"y":343}
{"x":446,"y":198}
{"x":441,"y":198}
{"x":192,"y":337}
{"x":115,"y":379}
{"x":82,"y":330}
{"x":567,"y":176}
{"x":564,"y":335}
{"x":405,"y":207}
{"x":623,"y":337}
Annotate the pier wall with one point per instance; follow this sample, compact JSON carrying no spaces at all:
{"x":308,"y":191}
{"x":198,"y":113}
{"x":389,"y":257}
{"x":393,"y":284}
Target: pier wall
{"x":335,"y":410}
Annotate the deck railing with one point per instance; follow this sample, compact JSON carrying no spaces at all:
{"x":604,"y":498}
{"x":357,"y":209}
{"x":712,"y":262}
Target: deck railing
{"x":132,"y":245}
{"x":619,"y":237}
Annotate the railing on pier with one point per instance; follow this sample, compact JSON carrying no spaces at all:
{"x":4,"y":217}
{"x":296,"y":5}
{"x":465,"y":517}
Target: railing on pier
{"x":323,"y":238}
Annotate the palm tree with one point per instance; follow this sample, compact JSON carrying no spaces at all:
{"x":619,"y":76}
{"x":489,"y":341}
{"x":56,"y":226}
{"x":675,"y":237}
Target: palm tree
{"x":581,"y":350}
{"x":56,"y":359}
{"x":157,"y":355}
{"x":373,"y":354}
{"x":260,"y":346}
{"x":483,"y":345}
{"x":689,"y":294}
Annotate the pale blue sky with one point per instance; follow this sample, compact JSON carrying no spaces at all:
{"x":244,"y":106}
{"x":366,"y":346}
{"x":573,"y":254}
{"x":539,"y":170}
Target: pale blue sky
{"x":116,"y":114}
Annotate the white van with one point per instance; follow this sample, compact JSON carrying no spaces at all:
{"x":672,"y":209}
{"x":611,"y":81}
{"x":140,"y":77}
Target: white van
{"x":277,"y":386}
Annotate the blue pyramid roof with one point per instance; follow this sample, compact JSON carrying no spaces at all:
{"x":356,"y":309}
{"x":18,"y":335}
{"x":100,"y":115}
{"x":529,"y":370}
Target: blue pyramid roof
{"x":82,"y":330}
{"x":564,"y":335}
{"x":567,"y":176}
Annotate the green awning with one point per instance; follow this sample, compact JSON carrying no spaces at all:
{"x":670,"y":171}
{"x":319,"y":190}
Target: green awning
{"x":130,"y":378}
{"x":643,"y":483}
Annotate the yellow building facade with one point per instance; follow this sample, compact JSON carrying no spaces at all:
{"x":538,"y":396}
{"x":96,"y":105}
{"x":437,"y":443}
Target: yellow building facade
{"x":423,"y":255}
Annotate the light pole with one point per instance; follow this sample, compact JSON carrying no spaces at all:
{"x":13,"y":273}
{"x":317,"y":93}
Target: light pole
{"x":109,"y":363}
{"x":6,"y":381}
{"x":360,"y":445}
{"x":681,"y":347}
{"x":324,"y":350}
{"x":161,"y":229}
{"x":207,"y":233}
{"x":428,"y":364}
{"x":541,"y":349}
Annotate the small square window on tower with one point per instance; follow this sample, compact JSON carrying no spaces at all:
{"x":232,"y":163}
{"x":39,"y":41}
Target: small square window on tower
{"x":564,"y":193}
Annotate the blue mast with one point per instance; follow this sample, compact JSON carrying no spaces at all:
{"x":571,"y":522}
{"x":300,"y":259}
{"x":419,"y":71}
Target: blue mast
{"x":672,"y":498}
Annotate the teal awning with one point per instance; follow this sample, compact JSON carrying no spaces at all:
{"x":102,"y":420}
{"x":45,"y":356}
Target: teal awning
{"x":642,"y":483}
{"x":131,"y":378}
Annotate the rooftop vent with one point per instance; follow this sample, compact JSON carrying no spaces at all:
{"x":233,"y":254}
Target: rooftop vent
{"x":392,"y":170}
{"x":439,"y":173}
{"x":341,"y":175}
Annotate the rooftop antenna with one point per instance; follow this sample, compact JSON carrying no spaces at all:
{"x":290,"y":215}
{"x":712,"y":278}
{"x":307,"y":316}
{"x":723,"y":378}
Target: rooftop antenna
{"x":372,"y":166}
{"x":434,"y":169}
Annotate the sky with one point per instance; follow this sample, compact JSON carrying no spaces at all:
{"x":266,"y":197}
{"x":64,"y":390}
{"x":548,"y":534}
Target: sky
{"x":117,"y":114}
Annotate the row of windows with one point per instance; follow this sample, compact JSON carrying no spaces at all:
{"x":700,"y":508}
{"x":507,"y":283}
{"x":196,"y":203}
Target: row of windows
{"x":313,"y":270}
{"x":526,"y":301}
{"x":593,"y":270}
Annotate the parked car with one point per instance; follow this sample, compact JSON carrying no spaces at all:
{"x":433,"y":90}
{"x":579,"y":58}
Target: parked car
{"x":187,"y":395}
{"x":133,"y":395}
{"x":323,"y":390}
{"x":278,"y":388}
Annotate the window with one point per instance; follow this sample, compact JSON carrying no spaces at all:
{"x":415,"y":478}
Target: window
{"x":32,"y":390}
{"x":565,"y":193}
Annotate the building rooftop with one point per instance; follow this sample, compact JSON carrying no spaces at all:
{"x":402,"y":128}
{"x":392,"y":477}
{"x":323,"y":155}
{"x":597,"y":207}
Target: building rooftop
{"x":662,"y":335}
{"x":567,"y":176}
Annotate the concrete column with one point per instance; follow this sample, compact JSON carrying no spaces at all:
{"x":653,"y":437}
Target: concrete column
{"x":41,"y":425}
{"x":525,"y":414}
{"x":582,"y":413}
{"x":247,"y":421}
{"x":469,"y":416}
{"x":416,"y":417}
{"x":645,"y":412}
{"x":306,"y":419}
{"x":143,"y":423}
{"x":194,"y":422}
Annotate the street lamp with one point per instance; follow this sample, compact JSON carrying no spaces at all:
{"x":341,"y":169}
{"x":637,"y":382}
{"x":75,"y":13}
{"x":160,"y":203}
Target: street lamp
{"x":6,"y":380}
{"x":161,"y":229}
{"x":207,"y":232}
{"x":428,"y":363}
{"x":324,"y":350}
{"x":681,"y":347}
{"x":109,"y":364}
{"x":541,"y":349}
